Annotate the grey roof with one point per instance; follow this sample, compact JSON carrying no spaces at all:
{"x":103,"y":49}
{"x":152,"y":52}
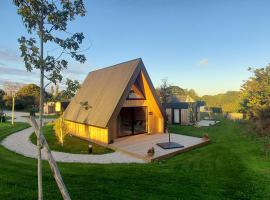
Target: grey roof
{"x":105,"y":90}
{"x":180,"y":105}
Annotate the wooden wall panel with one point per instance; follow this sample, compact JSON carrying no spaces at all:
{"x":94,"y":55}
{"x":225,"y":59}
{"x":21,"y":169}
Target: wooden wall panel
{"x":94,"y":134}
{"x":184,"y":116}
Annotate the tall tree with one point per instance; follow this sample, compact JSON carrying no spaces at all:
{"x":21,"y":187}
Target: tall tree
{"x":256,"y":99}
{"x":256,"y":91}
{"x":52,"y":91}
{"x":56,"y":91}
{"x":2,"y":94}
{"x":70,"y":91}
{"x":48,"y":20}
{"x":176,"y":90}
{"x":192,"y":94}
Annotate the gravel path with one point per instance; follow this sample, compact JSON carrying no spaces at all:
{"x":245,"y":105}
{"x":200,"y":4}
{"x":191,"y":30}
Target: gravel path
{"x":20,"y":143}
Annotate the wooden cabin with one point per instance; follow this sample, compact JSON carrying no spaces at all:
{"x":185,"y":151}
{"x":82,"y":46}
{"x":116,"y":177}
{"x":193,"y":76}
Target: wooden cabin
{"x":182,"y":110}
{"x":115,"y":102}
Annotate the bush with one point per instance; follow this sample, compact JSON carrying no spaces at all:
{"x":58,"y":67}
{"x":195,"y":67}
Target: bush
{"x":262,"y":121}
{"x":60,"y":129}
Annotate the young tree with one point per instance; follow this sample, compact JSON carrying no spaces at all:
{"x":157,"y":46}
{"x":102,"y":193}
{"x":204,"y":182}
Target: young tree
{"x":164,"y":91}
{"x":11,"y":89}
{"x":256,"y":98}
{"x":60,"y":129}
{"x":47,"y":20}
{"x":176,"y":90}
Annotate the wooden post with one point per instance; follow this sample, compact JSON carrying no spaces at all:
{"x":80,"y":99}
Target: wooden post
{"x":13,"y":106}
{"x":52,"y":163}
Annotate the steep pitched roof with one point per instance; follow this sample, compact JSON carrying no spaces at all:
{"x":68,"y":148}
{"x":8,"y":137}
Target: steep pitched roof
{"x":104,"y":90}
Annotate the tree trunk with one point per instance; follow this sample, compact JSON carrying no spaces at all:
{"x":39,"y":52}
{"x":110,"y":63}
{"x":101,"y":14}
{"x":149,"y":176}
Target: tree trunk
{"x":52,"y":163}
{"x":13,"y":106}
{"x":39,"y":144}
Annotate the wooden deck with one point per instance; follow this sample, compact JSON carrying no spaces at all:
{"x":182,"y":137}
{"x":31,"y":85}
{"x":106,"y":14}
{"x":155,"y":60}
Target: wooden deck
{"x":138,"y":145}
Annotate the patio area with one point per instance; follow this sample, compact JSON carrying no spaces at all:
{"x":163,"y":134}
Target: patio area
{"x":138,"y":145}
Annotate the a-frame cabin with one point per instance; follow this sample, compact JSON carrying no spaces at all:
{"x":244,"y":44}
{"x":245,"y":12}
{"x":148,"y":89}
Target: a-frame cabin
{"x":114,"y":102}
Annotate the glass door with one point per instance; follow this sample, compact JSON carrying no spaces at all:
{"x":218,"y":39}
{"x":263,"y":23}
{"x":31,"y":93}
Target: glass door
{"x":132,"y":121}
{"x":176,"y":116}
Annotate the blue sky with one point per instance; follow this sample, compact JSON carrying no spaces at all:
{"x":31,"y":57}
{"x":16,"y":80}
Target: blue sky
{"x":204,"y":45}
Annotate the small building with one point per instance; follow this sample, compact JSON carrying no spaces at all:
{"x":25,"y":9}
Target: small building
{"x":115,"y":102}
{"x":49,"y":108}
{"x":60,"y":106}
{"x":182,"y":110}
{"x":55,"y":107}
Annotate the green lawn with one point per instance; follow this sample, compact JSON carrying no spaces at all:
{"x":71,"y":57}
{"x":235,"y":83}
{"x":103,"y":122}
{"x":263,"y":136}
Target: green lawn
{"x":231,"y":167}
{"x":71,"y":144}
{"x":7,"y":128}
{"x":45,"y":116}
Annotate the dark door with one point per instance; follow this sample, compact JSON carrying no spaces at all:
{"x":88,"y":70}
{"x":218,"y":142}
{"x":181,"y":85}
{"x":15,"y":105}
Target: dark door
{"x":132,"y":121}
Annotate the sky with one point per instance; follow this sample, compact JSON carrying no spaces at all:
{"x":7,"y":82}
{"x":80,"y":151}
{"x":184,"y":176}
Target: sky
{"x":204,"y":45}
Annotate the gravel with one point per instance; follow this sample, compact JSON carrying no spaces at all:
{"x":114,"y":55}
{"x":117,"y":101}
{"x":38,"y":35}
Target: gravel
{"x":20,"y":143}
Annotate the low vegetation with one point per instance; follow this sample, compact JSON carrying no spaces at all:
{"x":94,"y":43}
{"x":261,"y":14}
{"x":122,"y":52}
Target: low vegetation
{"x":256,"y":99}
{"x":227,"y":102}
{"x":71,"y":144}
{"x":233,"y":166}
{"x":6,"y":128}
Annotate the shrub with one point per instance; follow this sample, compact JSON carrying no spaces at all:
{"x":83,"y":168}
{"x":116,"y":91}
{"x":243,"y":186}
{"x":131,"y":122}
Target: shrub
{"x":60,"y":130}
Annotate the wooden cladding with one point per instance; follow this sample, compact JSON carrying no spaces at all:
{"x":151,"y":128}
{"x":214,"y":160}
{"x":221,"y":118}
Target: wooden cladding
{"x":95,"y":134}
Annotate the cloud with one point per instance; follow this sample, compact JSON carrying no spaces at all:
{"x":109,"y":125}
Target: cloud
{"x":14,"y":71}
{"x":9,"y":55}
{"x":204,"y":62}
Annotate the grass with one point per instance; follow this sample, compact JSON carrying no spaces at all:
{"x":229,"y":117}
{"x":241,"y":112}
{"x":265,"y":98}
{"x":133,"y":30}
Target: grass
{"x":71,"y":144}
{"x":231,"y":167}
{"x":7,"y":128}
{"x":45,"y":116}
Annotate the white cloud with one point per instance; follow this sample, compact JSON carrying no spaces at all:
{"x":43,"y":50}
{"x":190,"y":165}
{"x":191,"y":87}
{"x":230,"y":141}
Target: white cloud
{"x":204,"y":62}
{"x":9,"y":55}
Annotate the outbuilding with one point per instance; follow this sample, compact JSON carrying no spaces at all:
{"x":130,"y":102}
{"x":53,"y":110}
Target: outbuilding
{"x":182,"y":110}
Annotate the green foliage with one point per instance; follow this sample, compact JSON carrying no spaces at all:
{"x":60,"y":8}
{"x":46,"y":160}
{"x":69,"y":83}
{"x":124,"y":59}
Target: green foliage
{"x":176,"y":90}
{"x":49,"y":19}
{"x":29,"y":95}
{"x":54,"y":92}
{"x":165,"y":90}
{"x":27,"y":98}
{"x":2,"y":102}
{"x":60,"y":130}
{"x":256,"y":91}
{"x":229,"y":101}
{"x":256,"y":98}
{"x":71,"y":89}
{"x":192,"y":94}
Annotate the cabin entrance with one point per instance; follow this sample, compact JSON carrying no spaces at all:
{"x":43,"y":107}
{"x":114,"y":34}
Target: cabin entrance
{"x":132,"y":121}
